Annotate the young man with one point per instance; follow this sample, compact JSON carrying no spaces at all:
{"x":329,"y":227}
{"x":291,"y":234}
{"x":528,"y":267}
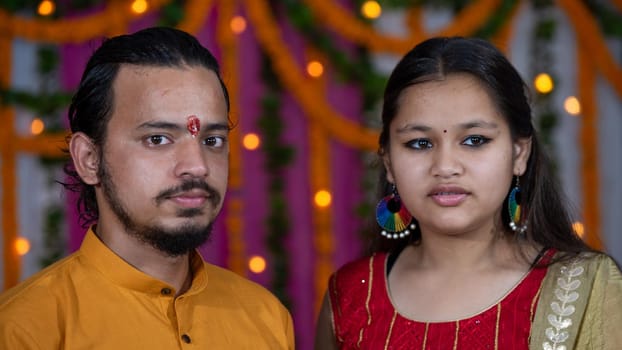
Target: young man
{"x":149,"y":146}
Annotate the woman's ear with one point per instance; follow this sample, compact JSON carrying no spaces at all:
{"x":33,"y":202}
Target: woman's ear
{"x":522,"y":150}
{"x":386,"y":162}
{"x":85,"y":158}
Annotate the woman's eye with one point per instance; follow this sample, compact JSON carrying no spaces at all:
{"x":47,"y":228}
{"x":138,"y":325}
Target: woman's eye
{"x":214,"y":141}
{"x":158,"y":140}
{"x":475,"y":140}
{"x":419,"y":144}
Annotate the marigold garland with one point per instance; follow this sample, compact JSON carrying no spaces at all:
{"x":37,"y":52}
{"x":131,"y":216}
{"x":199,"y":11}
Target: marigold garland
{"x":235,"y":205}
{"x":313,"y":103}
{"x":320,"y":179}
{"x":345,"y":24}
{"x":502,"y":37}
{"x":112,"y":20}
{"x":319,"y":160}
{"x":588,"y":136}
{"x":195,"y":13}
{"x":7,"y":153}
{"x":590,"y":38}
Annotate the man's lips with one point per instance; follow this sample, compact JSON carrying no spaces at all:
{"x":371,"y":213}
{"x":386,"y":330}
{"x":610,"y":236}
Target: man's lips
{"x":190,"y":199}
{"x":449,"y":195}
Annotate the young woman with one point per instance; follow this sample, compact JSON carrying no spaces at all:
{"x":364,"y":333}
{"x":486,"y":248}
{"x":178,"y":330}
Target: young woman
{"x":477,"y":250}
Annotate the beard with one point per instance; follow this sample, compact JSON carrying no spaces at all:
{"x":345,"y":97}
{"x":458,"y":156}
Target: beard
{"x":175,"y":241}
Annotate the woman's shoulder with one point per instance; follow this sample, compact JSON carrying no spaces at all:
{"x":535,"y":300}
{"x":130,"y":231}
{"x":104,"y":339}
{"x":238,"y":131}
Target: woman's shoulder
{"x":586,"y":266}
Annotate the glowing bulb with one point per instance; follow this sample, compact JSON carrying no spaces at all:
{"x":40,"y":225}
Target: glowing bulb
{"x":322,"y":198}
{"x":22,"y":246}
{"x":572,"y":105}
{"x":238,"y":24}
{"x":46,"y":7}
{"x":37,"y":126}
{"x":371,"y":9}
{"x":251,"y":141}
{"x":257,"y":264}
{"x":543,"y":83}
{"x":315,"y":69}
{"x":139,"y":6}
{"x":578,"y":228}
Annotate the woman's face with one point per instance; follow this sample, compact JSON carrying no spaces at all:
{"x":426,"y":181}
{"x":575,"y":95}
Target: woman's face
{"x":452,"y":157}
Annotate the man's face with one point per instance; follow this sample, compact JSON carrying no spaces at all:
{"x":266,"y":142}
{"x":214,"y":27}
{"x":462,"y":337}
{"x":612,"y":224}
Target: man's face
{"x":162,"y":180}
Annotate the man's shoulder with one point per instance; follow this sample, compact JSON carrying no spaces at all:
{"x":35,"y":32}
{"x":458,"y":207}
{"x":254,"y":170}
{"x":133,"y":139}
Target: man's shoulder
{"x":38,"y":290}
{"x":225,"y":280}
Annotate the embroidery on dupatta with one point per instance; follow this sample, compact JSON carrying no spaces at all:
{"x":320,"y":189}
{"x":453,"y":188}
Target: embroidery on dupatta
{"x":562,"y":308}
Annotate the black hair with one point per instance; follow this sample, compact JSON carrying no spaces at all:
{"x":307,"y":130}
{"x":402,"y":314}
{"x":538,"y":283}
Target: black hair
{"x":91,"y":105}
{"x":548,"y":221}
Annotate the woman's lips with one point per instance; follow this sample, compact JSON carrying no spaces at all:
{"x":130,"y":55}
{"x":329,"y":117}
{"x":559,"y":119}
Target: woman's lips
{"x":448,"y":196}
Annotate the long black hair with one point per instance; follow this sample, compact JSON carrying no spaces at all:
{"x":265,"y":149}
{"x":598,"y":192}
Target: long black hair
{"x":548,"y":221}
{"x":91,"y":106}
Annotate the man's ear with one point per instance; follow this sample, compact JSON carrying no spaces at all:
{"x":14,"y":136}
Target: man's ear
{"x":85,"y":158}
{"x":522,"y":150}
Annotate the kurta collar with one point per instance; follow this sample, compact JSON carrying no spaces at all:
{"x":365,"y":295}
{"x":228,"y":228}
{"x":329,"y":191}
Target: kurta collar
{"x":120,"y":272}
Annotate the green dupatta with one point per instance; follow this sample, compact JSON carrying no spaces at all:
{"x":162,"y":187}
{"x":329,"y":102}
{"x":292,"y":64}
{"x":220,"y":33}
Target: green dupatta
{"x":580,"y":306}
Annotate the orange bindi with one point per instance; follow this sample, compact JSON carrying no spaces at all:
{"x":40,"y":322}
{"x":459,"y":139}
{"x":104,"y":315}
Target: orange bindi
{"x":193,"y":125}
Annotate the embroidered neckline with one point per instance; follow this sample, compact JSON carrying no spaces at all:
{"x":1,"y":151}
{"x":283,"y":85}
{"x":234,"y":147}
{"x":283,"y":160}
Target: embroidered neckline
{"x":487,"y":309}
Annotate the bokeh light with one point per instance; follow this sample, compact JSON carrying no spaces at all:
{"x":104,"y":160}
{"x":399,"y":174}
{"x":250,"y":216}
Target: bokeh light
{"x":323,"y":198}
{"x":37,"y":126}
{"x":257,"y":264}
{"x":140,"y":6}
{"x":572,"y":105}
{"x":543,"y":83}
{"x":251,"y":141}
{"x":46,"y":8}
{"x":371,"y":9}
{"x":22,"y":246}
{"x":238,"y":24}
{"x":315,"y":69}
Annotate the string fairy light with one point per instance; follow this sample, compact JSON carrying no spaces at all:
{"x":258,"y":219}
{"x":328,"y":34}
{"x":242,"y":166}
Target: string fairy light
{"x":323,"y":198}
{"x":251,"y":141}
{"x":257,"y":264}
{"x":371,"y":9}
{"x":46,"y":8}
{"x":140,"y":6}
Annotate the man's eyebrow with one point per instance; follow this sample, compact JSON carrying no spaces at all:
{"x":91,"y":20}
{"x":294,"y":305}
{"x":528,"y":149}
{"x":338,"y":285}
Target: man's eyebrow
{"x":217,"y":126}
{"x":160,"y":125}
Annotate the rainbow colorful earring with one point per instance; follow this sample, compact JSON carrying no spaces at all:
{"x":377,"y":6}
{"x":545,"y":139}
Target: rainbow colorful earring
{"x":514,"y":209}
{"x":393,"y":217}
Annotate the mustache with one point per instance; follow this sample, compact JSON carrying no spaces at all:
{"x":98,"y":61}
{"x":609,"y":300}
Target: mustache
{"x":188,"y":185}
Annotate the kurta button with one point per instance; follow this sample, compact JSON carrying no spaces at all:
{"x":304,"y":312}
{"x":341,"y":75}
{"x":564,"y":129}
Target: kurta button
{"x":166,"y":291}
{"x":186,"y":338}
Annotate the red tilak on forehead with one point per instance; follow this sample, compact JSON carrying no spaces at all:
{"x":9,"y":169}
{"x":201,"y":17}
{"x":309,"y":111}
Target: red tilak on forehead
{"x":194,"y":125}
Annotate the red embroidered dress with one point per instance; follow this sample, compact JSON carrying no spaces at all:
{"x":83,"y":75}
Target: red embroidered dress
{"x":364,"y":317}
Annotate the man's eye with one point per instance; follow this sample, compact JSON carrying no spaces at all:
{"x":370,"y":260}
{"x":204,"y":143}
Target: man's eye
{"x":419,"y":144}
{"x":476,"y":140}
{"x":158,"y":140}
{"x":215,"y":141}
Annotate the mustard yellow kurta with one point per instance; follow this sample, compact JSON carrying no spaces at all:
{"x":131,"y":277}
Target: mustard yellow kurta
{"x":95,"y":300}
